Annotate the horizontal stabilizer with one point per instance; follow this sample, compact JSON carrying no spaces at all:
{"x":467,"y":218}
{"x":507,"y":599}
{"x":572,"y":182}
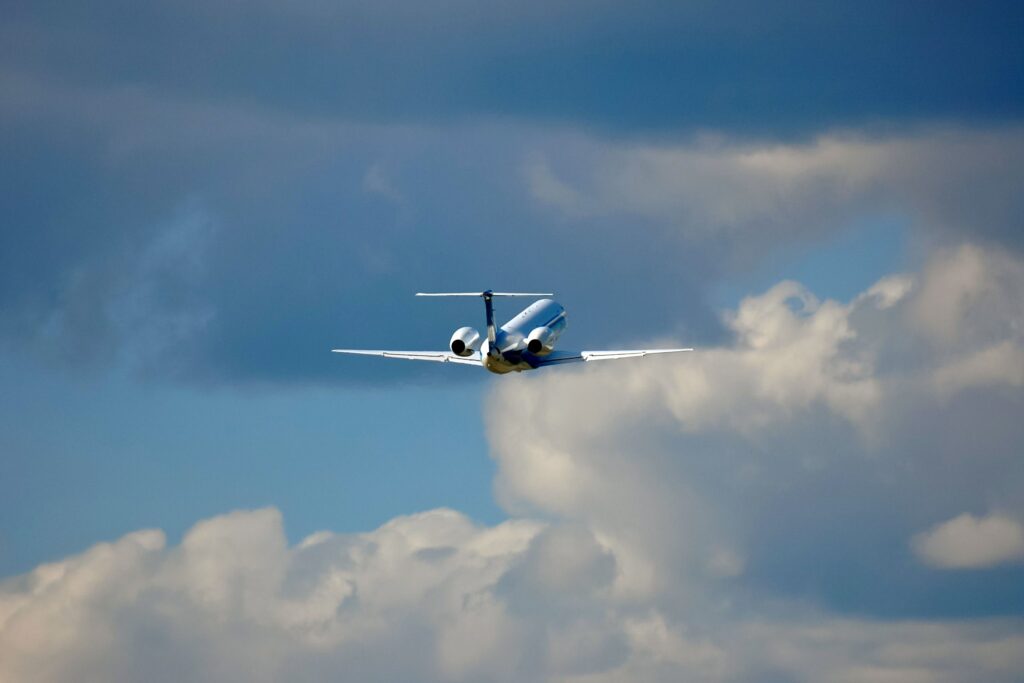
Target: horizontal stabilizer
{"x":484,"y":293}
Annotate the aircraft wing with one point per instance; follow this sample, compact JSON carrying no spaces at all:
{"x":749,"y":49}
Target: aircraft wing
{"x":435,"y":356}
{"x":557,"y":357}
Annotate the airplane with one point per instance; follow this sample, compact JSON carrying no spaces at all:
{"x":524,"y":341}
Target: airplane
{"x":526,"y":342}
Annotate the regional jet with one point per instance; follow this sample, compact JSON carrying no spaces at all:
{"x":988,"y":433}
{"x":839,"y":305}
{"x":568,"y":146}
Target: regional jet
{"x":525,"y":342}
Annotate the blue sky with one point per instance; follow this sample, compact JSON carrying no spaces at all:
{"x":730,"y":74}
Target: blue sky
{"x":200,"y":199}
{"x":129,"y":455}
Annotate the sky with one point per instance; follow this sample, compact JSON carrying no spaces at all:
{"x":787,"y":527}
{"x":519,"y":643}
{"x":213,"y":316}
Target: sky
{"x":200,"y":199}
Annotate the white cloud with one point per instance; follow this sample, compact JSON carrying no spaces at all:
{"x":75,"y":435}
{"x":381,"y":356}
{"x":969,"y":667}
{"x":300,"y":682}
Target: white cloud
{"x":756,"y":194}
{"x":429,"y":597}
{"x":822,"y":424}
{"x":1001,"y":363}
{"x":969,"y":542}
{"x":969,"y":296}
{"x":234,"y":602}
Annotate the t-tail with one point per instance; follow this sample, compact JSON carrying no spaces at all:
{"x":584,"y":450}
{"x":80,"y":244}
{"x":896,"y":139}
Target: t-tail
{"x":488,"y":296}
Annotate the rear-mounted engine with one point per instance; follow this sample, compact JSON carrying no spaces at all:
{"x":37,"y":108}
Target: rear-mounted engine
{"x":465,"y":341}
{"x":541,"y":341}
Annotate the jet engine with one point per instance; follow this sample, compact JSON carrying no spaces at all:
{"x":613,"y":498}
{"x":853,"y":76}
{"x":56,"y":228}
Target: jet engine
{"x":465,"y":341}
{"x":541,"y":341}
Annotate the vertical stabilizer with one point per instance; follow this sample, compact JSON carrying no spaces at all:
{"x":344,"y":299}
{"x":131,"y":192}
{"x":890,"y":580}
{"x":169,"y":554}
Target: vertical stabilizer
{"x":488,"y":296}
{"x":492,"y":332}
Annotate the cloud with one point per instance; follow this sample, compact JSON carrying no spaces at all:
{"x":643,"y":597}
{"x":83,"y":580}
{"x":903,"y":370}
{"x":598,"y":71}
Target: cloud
{"x":301,"y":219}
{"x":968,"y":297}
{"x":949,"y":182}
{"x":651,"y":66}
{"x":141,"y":162}
{"x":969,"y":542}
{"x":806,"y":451}
{"x":309,"y":220}
{"x":233,"y":602}
{"x":141,"y":313}
{"x":433,"y":597}
{"x":403,"y":142}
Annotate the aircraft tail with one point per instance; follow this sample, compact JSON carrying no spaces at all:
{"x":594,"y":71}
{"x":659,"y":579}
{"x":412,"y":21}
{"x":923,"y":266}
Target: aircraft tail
{"x":487,"y":295}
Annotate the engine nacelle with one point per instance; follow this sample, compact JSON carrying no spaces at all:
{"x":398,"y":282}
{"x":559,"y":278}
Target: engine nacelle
{"x":541,"y":341}
{"x":465,"y":341}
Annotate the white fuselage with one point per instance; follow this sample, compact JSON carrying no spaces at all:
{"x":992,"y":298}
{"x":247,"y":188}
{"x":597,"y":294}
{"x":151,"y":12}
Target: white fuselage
{"x":510,"y":353}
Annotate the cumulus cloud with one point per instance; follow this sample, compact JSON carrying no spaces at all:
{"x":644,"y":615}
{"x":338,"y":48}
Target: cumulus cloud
{"x":429,"y":597}
{"x":808,"y":450}
{"x":234,"y":602}
{"x":969,"y":542}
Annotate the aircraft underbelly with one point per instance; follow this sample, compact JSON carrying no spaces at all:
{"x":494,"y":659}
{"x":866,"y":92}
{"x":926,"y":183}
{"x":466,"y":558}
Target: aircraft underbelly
{"x":504,"y":364}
